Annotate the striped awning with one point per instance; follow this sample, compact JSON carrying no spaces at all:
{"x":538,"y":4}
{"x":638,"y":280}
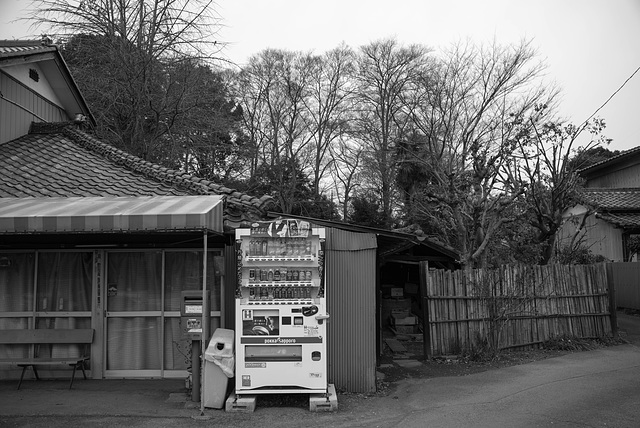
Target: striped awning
{"x":111,"y":214}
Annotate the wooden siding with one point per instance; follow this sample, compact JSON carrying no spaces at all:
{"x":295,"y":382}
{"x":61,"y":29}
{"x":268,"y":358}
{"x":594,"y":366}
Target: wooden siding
{"x":602,"y":238}
{"x":627,"y":176}
{"x":351,"y":302}
{"x":19,"y":106}
{"x":521,"y":305}
{"x":626,"y":281}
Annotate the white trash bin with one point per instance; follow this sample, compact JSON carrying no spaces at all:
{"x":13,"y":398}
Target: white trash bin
{"x":219,"y":366}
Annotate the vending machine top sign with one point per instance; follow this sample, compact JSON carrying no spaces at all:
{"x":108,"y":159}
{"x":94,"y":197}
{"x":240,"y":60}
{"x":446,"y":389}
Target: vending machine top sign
{"x":286,"y":228}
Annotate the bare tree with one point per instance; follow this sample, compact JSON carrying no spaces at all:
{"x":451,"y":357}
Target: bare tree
{"x":346,"y":166}
{"x":465,"y":113}
{"x":278,"y":120}
{"x":158,"y":28}
{"x":387,"y":72}
{"x":328,"y":105}
{"x":549,"y":155}
{"x":138,"y":64}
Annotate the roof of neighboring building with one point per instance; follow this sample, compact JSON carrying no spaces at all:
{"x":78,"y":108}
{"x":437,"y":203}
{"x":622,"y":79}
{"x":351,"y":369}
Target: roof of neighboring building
{"x":20,"y":47}
{"x":61,"y":160}
{"x":620,"y":207}
{"x":623,"y":157}
{"x":13,"y":48}
{"x":622,"y":220}
{"x":48,"y":57}
{"x":614,"y":199}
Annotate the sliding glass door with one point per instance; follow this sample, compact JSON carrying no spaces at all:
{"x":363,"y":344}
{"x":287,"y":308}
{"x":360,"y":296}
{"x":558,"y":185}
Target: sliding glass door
{"x":142,"y":316}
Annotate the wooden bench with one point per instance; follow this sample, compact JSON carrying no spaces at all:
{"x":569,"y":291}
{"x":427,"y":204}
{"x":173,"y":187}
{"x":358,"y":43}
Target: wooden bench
{"x":43,"y":337}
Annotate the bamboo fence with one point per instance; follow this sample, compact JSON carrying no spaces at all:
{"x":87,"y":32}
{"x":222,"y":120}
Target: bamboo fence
{"x":516,"y":306}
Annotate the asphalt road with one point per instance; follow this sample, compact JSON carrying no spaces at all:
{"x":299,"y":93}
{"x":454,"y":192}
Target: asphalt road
{"x":599,"y":388}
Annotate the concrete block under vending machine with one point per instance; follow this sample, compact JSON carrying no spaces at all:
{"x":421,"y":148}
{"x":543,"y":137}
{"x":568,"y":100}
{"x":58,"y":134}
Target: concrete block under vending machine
{"x":324,"y":402}
{"x":244,"y":403}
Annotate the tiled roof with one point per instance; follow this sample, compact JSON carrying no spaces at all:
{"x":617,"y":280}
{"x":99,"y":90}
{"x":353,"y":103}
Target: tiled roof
{"x":620,"y":207}
{"x":623,"y":220}
{"x":610,"y":161}
{"x":9,"y":51}
{"x":11,"y":48}
{"x":614,"y":199}
{"x":60,"y":160}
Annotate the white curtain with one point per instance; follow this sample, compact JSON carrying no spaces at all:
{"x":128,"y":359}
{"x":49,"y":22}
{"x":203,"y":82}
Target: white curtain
{"x":64,"y":285}
{"x":16,"y":295}
{"x":134,"y":284}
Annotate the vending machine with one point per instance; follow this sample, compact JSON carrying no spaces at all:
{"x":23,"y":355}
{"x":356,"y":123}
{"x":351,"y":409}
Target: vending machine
{"x":281,"y":313}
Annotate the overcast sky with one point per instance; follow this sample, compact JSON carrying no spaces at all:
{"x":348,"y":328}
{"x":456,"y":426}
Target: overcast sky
{"x":590,"y":46}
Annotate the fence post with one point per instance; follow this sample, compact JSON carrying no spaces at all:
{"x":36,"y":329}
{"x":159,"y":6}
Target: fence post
{"x":611,"y":287}
{"x":424,"y":293}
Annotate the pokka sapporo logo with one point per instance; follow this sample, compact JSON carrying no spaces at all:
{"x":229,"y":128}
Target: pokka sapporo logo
{"x":280,"y":341}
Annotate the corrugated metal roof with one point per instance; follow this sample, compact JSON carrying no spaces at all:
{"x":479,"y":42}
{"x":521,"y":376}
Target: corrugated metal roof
{"x":111,"y":214}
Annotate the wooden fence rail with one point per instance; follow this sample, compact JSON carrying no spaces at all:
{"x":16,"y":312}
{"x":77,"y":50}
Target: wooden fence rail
{"x":515,"y":306}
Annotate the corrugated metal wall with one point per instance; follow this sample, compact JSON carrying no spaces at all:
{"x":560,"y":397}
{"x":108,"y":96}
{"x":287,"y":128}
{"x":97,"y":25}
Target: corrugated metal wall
{"x":351,"y":302}
{"x":14,"y":120}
